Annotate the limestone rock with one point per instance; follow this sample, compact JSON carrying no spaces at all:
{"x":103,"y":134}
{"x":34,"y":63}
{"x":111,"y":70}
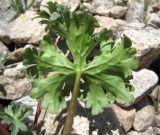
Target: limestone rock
{"x":148,"y":131}
{"x":106,"y":7}
{"x":6,"y":11}
{"x":135,"y":12}
{"x":125,"y":116}
{"x":157,"y":120}
{"x":145,"y":40}
{"x":5,"y":32}
{"x":117,"y":11}
{"x":13,"y":84}
{"x":27,"y":29}
{"x":73,"y":4}
{"x":154,"y":19}
{"x":143,"y":81}
{"x":110,"y":23}
{"x":3,"y":48}
{"x":144,"y":118}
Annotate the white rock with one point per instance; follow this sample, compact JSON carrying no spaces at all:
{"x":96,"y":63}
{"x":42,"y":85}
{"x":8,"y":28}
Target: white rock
{"x":113,"y":24}
{"x":73,"y":4}
{"x":27,"y":29}
{"x":144,"y":118}
{"x":148,"y":131}
{"x":143,"y":81}
{"x":154,"y":19}
{"x":145,"y":40}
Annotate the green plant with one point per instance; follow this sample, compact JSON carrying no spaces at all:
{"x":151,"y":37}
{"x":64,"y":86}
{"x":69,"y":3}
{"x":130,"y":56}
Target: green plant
{"x":98,"y":82}
{"x":14,"y":117}
{"x":18,"y":6}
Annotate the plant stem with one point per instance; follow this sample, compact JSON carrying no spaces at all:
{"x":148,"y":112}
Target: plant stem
{"x":72,"y":105}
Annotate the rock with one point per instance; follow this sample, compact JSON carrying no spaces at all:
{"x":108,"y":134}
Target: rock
{"x":18,"y":54}
{"x":125,"y":116}
{"x":144,"y":118}
{"x":5,"y":32}
{"x":156,"y":130}
{"x":120,"y":2}
{"x":117,"y":11}
{"x":143,"y":81}
{"x":84,"y":123}
{"x":154,"y":19}
{"x":135,"y":11}
{"x":148,"y":131}
{"x":106,"y":7}
{"x":157,"y":120}
{"x":3,"y":48}
{"x":25,"y":29}
{"x":11,"y":89}
{"x":155,"y":95}
{"x":72,"y":4}
{"x":6,"y":11}
{"x":145,"y":40}
{"x":13,"y":84}
{"x":17,"y":72}
{"x":110,"y":23}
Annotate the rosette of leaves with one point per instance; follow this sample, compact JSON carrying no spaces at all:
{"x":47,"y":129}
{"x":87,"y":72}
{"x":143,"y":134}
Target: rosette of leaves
{"x":14,"y":116}
{"x":98,"y":82}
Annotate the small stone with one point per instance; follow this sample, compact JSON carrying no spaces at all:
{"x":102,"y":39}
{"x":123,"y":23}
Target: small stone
{"x":27,"y":29}
{"x":17,"y":72}
{"x":117,"y":11}
{"x":154,"y":19}
{"x":72,"y":4}
{"x":146,"y":40}
{"x":156,"y":130}
{"x":157,"y":120}
{"x":144,"y":118}
{"x":110,"y":23}
{"x":148,"y":131}
{"x":5,"y":32}
{"x":135,"y":12}
{"x":143,"y":81}
{"x":125,"y":116}
{"x":3,"y":49}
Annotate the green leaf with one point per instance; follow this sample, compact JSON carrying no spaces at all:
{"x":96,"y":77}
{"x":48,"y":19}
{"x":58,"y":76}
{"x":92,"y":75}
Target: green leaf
{"x":96,"y":97}
{"x":14,"y":116}
{"x":103,"y":80}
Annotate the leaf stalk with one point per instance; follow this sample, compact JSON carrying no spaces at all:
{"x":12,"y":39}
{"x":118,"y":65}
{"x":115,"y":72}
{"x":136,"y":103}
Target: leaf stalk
{"x":72,"y":105}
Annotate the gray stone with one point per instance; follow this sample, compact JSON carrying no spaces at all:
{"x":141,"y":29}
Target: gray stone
{"x":13,"y":84}
{"x":72,"y":4}
{"x":135,"y":12}
{"x":144,"y":118}
{"x":157,"y":130}
{"x":17,"y":72}
{"x":25,"y":29}
{"x":117,"y":11}
{"x":148,"y":131}
{"x":107,"y":22}
{"x":3,"y":48}
{"x":157,"y":120}
{"x":6,"y":11}
{"x":5,"y":32}
{"x":154,"y":19}
{"x":106,"y":7}
{"x":145,"y":40}
{"x":143,"y":81}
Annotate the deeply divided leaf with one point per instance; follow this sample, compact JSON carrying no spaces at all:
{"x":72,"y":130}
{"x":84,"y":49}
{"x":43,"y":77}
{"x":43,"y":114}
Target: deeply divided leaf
{"x":104,"y":79}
